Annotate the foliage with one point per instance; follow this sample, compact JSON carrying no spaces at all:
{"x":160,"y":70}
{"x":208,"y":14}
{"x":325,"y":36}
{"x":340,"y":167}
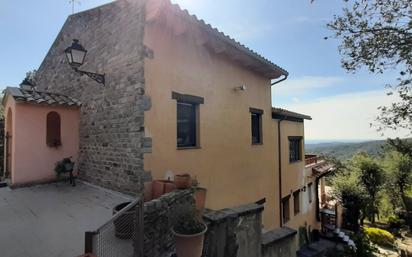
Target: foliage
{"x":371,"y":177}
{"x":351,"y":194}
{"x":364,"y":248}
{"x":380,"y":236}
{"x":345,"y":151}
{"x":31,"y":77}
{"x":395,"y":222}
{"x":60,"y":167}
{"x":377,"y":35}
{"x":398,"y":169}
{"x":187,"y":220}
{"x":403,"y":146}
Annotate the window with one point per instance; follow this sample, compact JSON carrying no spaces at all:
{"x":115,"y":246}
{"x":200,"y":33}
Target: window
{"x":53,"y":138}
{"x":295,"y":151}
{"x":296,"y":202}
{"x":310,"y":192}
{"x":186,"y":124}
{"x":285,"y":209}
{"x":256,"y":121}
{"x":187,"y":120}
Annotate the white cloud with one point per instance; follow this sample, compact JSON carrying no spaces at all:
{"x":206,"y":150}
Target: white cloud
{"x":346,"y":116}
{"x":305,"y":84}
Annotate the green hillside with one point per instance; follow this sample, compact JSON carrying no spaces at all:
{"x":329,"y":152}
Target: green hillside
{"x":344,"y":151}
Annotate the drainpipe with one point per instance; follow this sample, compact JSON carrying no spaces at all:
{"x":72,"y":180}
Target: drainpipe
{"x":285,"y":76}
{"x":280,"y":170}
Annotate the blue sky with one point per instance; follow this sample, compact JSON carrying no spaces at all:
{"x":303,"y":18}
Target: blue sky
{"x":290,"y":33}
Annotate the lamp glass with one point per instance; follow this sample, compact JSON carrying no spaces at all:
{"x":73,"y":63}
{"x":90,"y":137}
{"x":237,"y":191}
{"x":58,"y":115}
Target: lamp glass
{"x":77,"y":56}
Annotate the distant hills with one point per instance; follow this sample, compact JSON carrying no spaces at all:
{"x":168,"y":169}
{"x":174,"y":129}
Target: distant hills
{"x":344,"y":150}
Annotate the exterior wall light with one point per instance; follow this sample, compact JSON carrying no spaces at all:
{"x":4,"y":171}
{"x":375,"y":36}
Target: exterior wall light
{"x":241,"y":88}
{"x":75,"y":55}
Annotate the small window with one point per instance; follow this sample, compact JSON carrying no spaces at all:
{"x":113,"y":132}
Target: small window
{"x":187,"y":120}
{"x":186,"y":124}
{"x":310,"y":192}
{"x":295,"y":151}
{"x":256,"y":121}
{"x":53,"y":138}
{"x":285,"y":209}
{"x":296,"y":202}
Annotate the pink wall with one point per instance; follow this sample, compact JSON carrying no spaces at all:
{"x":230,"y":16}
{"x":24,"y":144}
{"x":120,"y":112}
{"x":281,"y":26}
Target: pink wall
{"x":32,"y":160}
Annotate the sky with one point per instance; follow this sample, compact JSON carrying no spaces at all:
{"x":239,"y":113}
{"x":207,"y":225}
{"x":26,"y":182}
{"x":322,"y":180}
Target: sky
{"x":289,"y":33}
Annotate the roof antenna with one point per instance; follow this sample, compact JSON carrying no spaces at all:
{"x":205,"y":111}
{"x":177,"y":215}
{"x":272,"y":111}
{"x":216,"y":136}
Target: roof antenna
{"x":73,"y":2}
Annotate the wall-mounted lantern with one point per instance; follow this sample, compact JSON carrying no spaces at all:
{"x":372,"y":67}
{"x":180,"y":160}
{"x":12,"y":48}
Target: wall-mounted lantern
{"x":75,"y":56}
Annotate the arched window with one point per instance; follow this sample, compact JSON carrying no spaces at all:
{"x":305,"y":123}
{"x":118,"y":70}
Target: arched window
{"x":53,"y":138}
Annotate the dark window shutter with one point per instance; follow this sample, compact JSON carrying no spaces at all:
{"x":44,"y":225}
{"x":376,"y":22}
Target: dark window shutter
{"x":53,"y":137}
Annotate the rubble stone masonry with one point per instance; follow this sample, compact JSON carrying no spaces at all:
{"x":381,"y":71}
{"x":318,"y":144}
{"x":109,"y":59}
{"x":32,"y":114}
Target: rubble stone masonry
{"x":112,"y":140}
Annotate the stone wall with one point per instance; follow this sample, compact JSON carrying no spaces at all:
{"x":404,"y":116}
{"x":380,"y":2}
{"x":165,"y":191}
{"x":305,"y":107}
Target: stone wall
{"x":158,"y":238}
{"x":234,"y":232}
{"x":279,"y":243}
{"x":112,"y":141}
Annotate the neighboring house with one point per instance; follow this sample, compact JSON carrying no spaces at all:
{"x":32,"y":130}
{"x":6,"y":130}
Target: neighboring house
{"x":41,"y":128}
{"x":179,"y":96}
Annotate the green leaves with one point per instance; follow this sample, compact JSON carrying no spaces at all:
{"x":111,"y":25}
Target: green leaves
{"x":377,"y":34}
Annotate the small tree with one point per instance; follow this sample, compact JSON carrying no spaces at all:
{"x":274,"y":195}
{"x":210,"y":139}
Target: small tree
{"x":371,"y":176}
{"x":398,"y":168}
{"x":351,"y":194}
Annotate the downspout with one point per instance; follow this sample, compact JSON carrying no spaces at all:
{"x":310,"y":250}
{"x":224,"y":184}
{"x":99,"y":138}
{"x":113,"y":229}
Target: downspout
{"x":285,"y":77}
{"x":280,"y":170}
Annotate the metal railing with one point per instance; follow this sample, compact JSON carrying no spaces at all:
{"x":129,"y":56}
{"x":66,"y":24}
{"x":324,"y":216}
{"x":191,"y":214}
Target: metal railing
{"x":121,"y":236}
{"x":312,"y":159}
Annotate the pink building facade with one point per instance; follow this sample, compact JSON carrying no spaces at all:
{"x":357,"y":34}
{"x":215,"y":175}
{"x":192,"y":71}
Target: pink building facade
{"x":29,"y":156}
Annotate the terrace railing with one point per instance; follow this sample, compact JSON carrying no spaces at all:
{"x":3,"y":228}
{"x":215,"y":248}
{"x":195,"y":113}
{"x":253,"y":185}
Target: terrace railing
{"x":121,"y":236}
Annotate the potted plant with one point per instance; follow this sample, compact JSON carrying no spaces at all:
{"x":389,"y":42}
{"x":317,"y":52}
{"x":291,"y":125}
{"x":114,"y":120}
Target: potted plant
{"x":189,"y":230}
{"x":65,"y":166}
{"x":183,"y":181}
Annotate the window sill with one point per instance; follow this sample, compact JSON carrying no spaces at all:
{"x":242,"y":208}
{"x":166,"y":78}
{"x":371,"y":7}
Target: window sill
{"x":257,"y":143}
{"x":293,"y":162}
{"x":188,"y":147}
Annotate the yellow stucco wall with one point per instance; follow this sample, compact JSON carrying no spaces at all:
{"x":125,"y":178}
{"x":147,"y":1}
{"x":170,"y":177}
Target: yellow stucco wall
{"x":233,"y":170}
{"x":295,"y":177}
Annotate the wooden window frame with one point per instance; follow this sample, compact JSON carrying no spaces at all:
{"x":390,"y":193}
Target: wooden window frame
{"x":310,"y":193}
{"x":258,"y":113}
{"x":195,"y":101}
{"x":285,"y":209}
{"x":298,"y":139}
{"x":296,"y":207}
{"x":53,"y":129}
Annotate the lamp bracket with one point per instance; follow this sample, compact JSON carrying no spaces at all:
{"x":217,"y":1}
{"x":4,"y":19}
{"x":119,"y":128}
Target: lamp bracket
{"x":99,"y":78}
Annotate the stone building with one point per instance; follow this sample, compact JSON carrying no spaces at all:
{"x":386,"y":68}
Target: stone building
{"x":180,"y":96}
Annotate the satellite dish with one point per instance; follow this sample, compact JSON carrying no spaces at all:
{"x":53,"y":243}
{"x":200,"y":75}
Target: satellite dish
{"x":169,"y":175}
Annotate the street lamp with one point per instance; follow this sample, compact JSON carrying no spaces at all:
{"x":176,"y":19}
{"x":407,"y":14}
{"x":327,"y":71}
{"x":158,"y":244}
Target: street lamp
{"x":75,"y":55}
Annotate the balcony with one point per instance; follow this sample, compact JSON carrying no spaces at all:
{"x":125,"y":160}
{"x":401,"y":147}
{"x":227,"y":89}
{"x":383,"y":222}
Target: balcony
{"x":312,"y":159}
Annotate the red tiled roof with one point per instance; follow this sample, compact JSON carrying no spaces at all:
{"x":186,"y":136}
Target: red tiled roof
{"x":40,"y":97}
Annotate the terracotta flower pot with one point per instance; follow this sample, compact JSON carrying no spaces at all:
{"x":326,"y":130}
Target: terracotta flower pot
{"x":189,"y":245}
{"x":158,"y":188}
{"x":169,"y":186}
{"x":200,"y":198}
{"x":183,"y":181}
{"x":148,"y":191}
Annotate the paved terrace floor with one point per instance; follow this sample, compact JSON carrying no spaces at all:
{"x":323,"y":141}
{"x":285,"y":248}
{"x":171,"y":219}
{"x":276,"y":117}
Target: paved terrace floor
{"x":50,"y":220}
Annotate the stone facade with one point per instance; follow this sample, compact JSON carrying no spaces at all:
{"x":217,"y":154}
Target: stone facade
{"x":112,"y":140}
{"x":158,"y":238}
